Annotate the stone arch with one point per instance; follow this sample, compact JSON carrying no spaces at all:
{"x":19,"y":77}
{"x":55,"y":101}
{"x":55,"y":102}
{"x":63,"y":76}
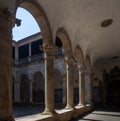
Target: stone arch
{"x":24,"y":89}
{"x":62,"y":34}
{"x":38,"y":13}
{"x":79,"y":55}
{"x":38,"y":87}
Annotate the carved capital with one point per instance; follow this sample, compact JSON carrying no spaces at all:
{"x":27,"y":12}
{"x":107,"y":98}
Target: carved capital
{"x":70,"y":61}
{"x":91,"y":71}
{"x":48,"y":49}
{"x":81,"y":68}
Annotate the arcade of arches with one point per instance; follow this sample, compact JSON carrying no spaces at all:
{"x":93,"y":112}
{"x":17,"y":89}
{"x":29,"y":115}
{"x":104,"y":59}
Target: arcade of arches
{"x":78,"y":66}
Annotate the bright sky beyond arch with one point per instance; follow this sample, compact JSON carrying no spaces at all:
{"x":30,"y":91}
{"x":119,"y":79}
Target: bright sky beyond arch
{"x":28,"y":25}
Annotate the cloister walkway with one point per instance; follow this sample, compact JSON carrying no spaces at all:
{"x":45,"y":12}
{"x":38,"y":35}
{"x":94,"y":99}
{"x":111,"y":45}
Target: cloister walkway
{"x":99,"y":113}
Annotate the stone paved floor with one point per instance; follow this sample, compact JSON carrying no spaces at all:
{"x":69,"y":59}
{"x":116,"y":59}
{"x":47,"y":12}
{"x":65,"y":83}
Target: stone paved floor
{"x":99,"y":114}
{"x":105,"y":114}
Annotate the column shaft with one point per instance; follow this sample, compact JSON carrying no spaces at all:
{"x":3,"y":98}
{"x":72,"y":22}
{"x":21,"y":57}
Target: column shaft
{"x":90,"y":95}
{"x":70,"y":83}
{"x":49,"y":80}
{"x":16,"y":53}
{"x":64,"y":92}
{"x":81,"y":87}
{"x":5,"y":66}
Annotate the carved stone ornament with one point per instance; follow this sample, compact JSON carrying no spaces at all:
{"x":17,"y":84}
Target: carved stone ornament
{"x":18,"y":22}
{"x":70,"y":61}
{"x":48,"y":49}
{"x":6,"y":13}
{"x":81,"y":68}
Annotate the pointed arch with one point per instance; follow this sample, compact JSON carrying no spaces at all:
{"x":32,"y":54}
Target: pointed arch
{"x":79,"y":54}
{"x":38,"y":13}
{"x":63,"y":36}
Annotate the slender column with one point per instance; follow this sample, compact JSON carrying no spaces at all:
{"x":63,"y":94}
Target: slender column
{"x":64,"y":91}
{"x":5,"y":65}
{"x":31,"y":96}
{"x":70,"y":83}
{"x":16,"y":53}
{"x":29,"y":59}
{"x":49,"y":80}
{"x":90,"y":95}
{"x":81,"y":86}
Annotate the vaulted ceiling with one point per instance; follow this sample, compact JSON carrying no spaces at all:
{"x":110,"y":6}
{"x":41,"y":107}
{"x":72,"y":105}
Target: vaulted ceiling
{"x":82,"y":20}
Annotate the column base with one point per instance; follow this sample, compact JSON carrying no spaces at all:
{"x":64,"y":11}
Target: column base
{"x":49,"y":112}
{"x":52,"y":113}
{"x":69,"y":107}
{"x":80,"y":104}
{"x":7,"y":119}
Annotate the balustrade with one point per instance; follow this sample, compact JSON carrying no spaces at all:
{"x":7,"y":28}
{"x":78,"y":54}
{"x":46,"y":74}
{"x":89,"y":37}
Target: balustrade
{"x":34,"y":58}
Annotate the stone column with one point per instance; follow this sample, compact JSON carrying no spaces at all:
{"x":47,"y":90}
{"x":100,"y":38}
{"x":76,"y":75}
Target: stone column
{"x":90,"y":95}
{"x":31,"y":92}
{"x":81,"y":85}
{"x":29,"y":59}
{"x":70,"y":83}
{"x":16,"y":53}
{"x":64,"y":90}
{"x":49,"y":79}
{"x":5,"y":65}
